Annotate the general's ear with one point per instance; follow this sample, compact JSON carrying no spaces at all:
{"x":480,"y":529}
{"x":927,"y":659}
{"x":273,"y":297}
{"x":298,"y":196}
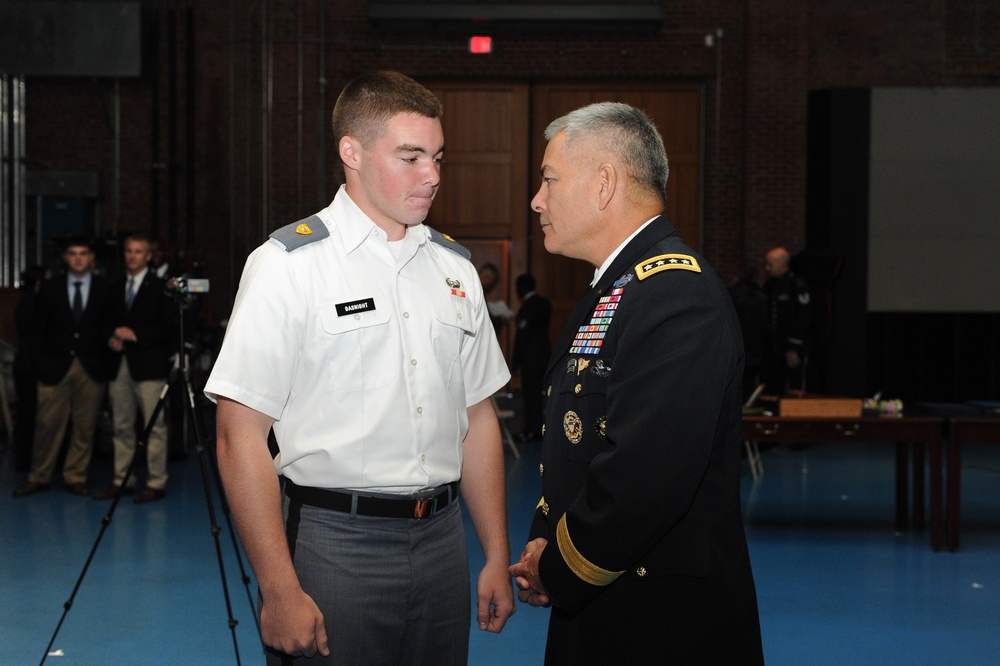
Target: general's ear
{"x":608,"y":179}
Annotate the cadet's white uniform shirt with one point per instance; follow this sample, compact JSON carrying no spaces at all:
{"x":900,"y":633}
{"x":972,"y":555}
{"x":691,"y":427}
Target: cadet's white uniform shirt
{"x":366,"y":356}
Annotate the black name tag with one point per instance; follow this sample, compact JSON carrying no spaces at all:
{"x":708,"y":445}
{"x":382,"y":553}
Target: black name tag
{"x":355,"y":306}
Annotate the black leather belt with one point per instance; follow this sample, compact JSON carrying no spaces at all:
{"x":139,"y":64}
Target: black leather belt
{"x":380,"y":507}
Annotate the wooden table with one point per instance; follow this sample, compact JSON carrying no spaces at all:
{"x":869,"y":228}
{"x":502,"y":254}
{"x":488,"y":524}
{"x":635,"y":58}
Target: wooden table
{"x":962,"y":431}
{"x":905,"y":432}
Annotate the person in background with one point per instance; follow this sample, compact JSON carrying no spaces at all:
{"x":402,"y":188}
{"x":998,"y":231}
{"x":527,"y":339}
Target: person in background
{"x":362,"y":337}
{"x":789,"y":313}
{"x":531,"y":352}
{"x":638,"y":542}
{"x":500,"y":312}
{"x":69,"y":334}
{"x":141,"y":341}
{"x":25,"y":381}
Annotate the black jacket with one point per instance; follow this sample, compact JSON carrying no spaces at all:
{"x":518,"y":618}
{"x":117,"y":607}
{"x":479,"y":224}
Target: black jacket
{"x":154,"y":322}
{"x":57,"y":339}
{"x":647,"y":559}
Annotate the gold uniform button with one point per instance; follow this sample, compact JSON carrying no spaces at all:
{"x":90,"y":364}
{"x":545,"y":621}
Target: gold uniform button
{"x":548,"y":391}
{"x":541,"y":469}
{"x":577,"y":389}
{"x":641,"y":571}
{"x":543,"y":430}
{"x":545,"y":509}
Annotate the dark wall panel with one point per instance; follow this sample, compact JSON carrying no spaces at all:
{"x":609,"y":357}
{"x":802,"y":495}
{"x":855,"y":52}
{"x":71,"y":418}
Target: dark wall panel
{"x":40,"y":38}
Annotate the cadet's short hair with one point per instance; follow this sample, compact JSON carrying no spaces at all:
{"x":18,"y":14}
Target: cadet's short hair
{"x":368,"y":102}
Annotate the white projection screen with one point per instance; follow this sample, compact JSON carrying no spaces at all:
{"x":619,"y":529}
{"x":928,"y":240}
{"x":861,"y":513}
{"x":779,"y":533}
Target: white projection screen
{"x":934,"y":206}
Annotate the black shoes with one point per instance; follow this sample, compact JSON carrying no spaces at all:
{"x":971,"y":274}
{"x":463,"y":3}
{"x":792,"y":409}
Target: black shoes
{"x":31,"y":488}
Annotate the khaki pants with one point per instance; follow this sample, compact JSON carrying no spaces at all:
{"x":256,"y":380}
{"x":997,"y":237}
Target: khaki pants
{"x":78,"y":397}
{"x":129,"y":398}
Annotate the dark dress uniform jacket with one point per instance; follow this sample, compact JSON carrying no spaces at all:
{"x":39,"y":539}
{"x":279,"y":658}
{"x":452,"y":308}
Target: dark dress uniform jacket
{"x":57,"y":339}
{"x":647,"y":559}
{"x":154,"y":322}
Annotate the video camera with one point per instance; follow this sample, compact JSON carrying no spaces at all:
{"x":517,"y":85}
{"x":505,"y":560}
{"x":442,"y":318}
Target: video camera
{"x":183,"y":289}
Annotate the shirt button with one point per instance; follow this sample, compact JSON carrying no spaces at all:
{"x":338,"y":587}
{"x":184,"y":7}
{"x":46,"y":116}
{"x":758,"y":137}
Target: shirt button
{"x":420,"y":410}
{"x":406,"y":315}
{"x":413,"y":361}
{"x":423,"y":458}
{"x":460,"y":316}
{"x":357,"y":316}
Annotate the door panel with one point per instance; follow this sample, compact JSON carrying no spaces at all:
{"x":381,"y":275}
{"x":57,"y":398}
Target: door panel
{"x":494,"y":142}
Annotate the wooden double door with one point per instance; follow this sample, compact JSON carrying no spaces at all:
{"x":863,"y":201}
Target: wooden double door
{"x":494,"y":142}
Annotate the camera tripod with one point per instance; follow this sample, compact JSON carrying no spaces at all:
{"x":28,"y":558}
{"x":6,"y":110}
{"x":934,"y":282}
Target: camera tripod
{"x":209,"y":472}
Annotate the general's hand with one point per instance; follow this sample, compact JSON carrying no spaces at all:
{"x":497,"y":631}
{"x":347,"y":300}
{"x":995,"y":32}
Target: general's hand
{"x":494,"y":598}
{"x":294,"y":625}
{"x":530,"y":588}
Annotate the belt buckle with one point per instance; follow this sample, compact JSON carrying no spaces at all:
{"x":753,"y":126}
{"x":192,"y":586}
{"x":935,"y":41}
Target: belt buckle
{"x":425,"y":507}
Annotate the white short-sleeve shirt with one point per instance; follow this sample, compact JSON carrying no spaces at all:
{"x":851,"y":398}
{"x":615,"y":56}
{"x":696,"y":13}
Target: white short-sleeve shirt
{"x":367,"y":356}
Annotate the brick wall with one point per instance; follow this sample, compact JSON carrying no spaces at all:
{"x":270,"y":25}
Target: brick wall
{"x":267,"y":74}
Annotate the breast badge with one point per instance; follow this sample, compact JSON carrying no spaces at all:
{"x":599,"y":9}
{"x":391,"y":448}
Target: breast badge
{"x":573,"y":427}
{"x":601,"y":427}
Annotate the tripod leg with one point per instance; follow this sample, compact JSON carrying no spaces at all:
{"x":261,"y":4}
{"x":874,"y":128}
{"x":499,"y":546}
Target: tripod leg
{"x":139,"y":447}
{"x":210,"y":503}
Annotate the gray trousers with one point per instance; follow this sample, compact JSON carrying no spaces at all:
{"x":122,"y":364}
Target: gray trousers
{"x":392,"y":590}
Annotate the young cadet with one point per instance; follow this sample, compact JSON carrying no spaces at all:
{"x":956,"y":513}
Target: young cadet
{"x":363,"y":338}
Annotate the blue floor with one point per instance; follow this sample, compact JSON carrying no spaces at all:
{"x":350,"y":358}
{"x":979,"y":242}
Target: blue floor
{"x":836,"y":583}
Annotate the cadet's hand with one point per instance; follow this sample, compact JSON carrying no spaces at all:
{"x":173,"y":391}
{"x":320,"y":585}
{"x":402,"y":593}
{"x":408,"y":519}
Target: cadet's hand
{"x":494,"y":598}
{"x":293,"y":624}
{"x":530,"y":588}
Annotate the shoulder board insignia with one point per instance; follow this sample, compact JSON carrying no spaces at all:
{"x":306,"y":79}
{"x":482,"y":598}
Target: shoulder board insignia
{"x":666,"y":262}
{"x":448,"y":242}
{"x":303,"y":232}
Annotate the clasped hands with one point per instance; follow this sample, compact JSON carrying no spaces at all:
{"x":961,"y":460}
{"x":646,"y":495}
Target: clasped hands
{"x":121,"y":335}
{"x":525,"y":572}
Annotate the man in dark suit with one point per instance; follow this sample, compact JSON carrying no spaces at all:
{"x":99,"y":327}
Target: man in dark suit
{"x":638,"y":541}
{"x":70,"y":330}
{"x":531,"y":352}
{"x":144,"y":330}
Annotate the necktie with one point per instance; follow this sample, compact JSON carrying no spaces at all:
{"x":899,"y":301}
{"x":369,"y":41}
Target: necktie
{"x":130,"y":293}
{"x":77,"y":301}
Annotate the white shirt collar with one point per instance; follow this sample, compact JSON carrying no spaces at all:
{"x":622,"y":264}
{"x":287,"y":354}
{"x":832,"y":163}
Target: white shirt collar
{"x":614,"y":255}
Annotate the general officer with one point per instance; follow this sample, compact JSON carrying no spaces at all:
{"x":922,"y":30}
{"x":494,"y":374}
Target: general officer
{"x":638,"y":540}
{"x":362,"y":336}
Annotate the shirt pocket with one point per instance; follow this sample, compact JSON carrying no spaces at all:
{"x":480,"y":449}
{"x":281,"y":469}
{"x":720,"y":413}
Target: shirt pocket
{"x":454,"y":320}
{"x":359,"y":349}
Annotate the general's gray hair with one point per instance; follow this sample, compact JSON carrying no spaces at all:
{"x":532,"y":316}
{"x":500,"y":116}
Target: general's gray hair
{"x":624,"y":131}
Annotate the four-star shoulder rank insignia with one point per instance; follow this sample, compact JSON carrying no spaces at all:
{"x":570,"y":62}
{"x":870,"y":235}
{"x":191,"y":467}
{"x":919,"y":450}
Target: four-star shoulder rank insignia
{"x":666,"y":262}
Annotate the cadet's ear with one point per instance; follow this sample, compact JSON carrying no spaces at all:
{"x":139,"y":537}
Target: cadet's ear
{"x":350,"y":152}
